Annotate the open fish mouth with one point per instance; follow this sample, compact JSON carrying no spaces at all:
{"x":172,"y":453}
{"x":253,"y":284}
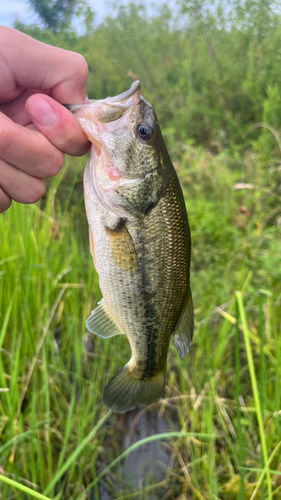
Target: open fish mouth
{"x":112,"y":115}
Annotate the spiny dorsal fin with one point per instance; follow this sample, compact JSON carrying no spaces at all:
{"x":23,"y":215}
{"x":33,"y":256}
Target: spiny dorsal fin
{"x":101,"y":323}
{"x":183,"y":331}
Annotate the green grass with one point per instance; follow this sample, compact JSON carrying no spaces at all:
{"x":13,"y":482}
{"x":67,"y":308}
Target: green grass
{"x":222,"y":402}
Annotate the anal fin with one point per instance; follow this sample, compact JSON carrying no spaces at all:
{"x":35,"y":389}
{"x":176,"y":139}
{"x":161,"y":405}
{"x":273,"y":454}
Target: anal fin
{"x":101,"y":323}
{"x":183,"y":331}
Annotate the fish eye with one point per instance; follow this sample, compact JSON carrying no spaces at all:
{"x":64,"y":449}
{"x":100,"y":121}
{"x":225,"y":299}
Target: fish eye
{"x":145,"y":131}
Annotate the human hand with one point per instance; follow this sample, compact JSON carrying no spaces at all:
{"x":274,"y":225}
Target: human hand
{"x":35,"y":128}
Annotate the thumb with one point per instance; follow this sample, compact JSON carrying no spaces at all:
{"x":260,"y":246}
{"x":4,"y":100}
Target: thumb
{"x":57,"y":124}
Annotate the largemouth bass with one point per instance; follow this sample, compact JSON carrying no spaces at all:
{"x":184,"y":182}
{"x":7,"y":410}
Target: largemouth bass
{"x":140,"y":243}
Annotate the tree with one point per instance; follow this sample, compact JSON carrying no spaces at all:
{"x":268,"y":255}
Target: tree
{"x":57,"y":14}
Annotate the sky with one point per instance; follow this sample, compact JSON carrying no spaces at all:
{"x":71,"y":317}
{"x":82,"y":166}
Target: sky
{"x":20,"y":9}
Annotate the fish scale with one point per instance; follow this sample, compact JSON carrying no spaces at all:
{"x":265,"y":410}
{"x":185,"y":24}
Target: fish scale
{"x":140,"y":241}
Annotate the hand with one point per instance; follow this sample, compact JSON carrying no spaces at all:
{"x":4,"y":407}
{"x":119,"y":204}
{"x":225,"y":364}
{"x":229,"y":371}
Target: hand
{"x":35,"y":129}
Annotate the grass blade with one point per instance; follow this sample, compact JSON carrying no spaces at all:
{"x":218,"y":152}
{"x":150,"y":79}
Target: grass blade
{"x":255,"y":389}
{"x":264,"y":471}
{"x":239,"y":413}
{"x":23,"y":488}
{"x":5,"y":322}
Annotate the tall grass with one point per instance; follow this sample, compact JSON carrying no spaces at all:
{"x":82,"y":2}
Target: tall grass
{"x":222,"y":403}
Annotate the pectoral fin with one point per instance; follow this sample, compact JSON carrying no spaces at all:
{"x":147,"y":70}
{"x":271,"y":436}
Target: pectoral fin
{"x":101,"y":323}
{"x":183,"y":331}
{"x":122,"y":247}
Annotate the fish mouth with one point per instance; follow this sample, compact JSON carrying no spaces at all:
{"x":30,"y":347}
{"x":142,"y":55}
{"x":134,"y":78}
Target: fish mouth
{"x":112,"y":115}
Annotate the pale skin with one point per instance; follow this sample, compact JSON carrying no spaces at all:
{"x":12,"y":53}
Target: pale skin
{"x":36,"y":130}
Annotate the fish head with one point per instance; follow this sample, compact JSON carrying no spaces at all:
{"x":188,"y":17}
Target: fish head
{"x":126,"y":168}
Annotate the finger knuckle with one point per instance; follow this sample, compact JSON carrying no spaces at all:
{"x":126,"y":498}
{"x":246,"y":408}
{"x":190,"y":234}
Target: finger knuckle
{"x":37,"y":189}
{"x":54,"y":165}
{"x":70,"y":141}
{"x":81,"y":66}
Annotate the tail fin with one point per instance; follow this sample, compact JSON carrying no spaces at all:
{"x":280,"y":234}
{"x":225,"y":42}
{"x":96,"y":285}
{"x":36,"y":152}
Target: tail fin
{"x":126,"y":390}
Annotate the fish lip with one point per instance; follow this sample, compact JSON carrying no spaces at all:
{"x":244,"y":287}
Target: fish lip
{"x":125,"y":95}
{"x":118,"y":98}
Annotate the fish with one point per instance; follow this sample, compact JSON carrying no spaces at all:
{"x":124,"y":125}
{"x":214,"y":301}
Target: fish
{"x":140,"y":243}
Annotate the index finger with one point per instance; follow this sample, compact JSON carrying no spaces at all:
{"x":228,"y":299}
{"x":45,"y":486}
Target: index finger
{"x":28,"y":63}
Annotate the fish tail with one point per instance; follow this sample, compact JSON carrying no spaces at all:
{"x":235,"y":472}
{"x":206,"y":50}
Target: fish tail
{"x":126,"y":390}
